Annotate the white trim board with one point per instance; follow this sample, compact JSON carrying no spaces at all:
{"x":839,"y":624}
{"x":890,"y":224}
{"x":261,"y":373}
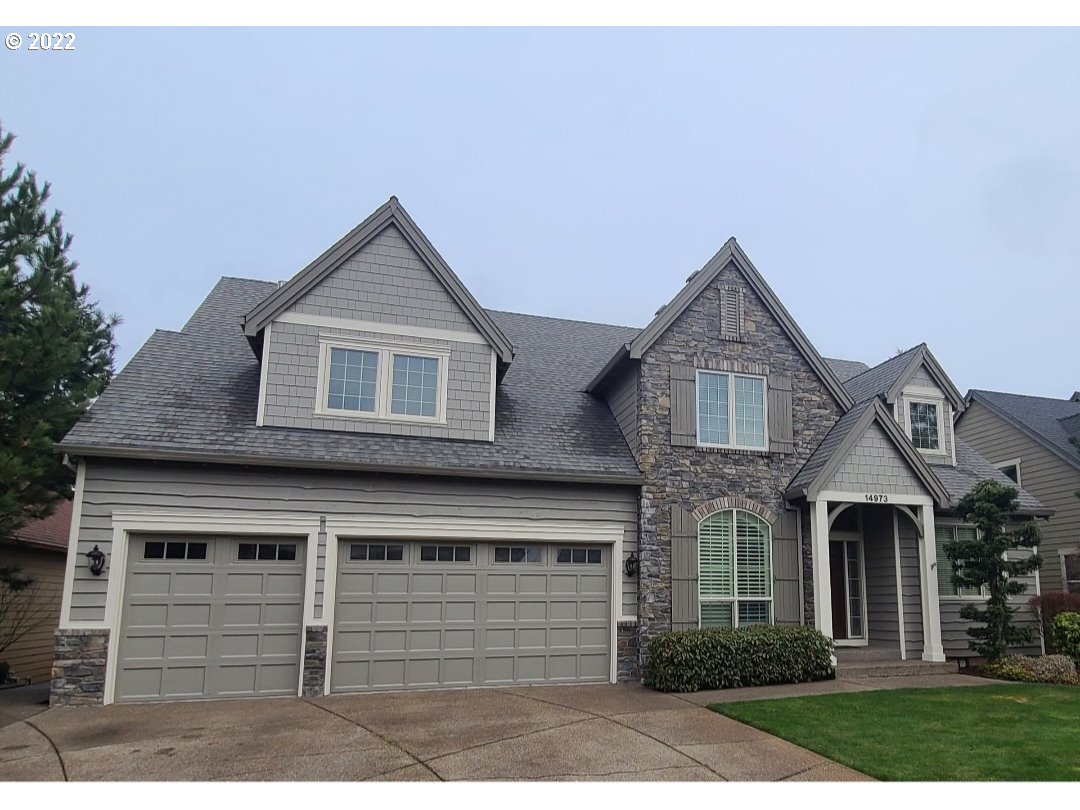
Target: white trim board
{"x":378,"y":327}
{"x":860,"y":497}
{"x":263,"y":373}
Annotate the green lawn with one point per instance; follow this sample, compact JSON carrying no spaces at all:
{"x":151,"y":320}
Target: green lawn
{"x":1011,"y":732}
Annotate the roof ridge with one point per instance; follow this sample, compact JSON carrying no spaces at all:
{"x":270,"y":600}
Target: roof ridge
{"x":886,"y":360}
{"x":1062,"y":400}
{"x":564,"y":320}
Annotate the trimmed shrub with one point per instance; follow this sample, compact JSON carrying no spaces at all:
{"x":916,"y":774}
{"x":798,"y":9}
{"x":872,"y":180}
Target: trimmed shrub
{"x":1048,"y":605}
{"x":723,"y":658}
{"x":1065,"y":633}
{"x":1058,"y":669}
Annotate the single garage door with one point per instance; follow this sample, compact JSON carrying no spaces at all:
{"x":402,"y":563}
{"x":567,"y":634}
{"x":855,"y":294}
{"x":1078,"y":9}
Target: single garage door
{"x":211,"y":617}
{"x":415,"y":615}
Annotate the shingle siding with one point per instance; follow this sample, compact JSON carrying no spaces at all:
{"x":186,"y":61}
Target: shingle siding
{"x":622,"y":397}
{"x":292,"y":385}
{"x":387,"y":281}
{"x":1042,"y":473}
{"x":875,"y":464}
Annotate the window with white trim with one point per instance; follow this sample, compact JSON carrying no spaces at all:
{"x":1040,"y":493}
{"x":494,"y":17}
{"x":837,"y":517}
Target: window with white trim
{"x":1070,"y":571}
{"x":731,"y":410}
{"x":924,"y":424}
{"x":375,"y":380}
{"x":1011,"y":470}
{"x":946,"y":588}
{"x":734,"y":569}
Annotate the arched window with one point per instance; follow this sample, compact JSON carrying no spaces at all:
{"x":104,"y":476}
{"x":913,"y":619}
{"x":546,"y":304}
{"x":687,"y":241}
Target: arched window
{"x":734,"y":569}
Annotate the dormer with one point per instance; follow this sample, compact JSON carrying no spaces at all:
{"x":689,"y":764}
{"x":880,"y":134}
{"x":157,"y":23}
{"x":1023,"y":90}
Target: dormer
{"x":923,"y":400}
{"x":378,"y":335}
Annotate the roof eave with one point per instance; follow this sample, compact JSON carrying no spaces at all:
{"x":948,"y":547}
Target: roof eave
{"x":597,"y":382}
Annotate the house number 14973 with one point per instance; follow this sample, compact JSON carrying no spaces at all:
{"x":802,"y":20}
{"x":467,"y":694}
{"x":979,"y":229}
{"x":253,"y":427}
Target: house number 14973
{"x":873,"y":498}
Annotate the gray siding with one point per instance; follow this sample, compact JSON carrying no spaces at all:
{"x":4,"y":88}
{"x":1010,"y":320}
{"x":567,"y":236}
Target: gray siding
{"x":880,"y":551}
{"x":292,"y":385}
{"x":387,"y":281}
{"x":189,"y":488}
{"x":875,"y":464}
{"x":1044,"y":474}
{"x":909,"y":575}
{"x":622,"y":398}
{"x":922,"y":379}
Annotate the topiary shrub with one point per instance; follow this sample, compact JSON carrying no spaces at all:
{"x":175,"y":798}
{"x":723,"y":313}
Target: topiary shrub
{"x":723,"y":658}
{"x":1058,"y":669}
{"x":1049,"y":604}
{"x":1065,"y":634}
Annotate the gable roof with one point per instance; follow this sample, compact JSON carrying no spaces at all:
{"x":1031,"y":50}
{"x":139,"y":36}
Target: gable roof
{"x":841,"y":440}
{"x":971,"y":468}
{"x":846,"y":369}
{"x":1050,"y":422}
{"x":730,"y":253}
{"x":49,"y":532}
{"x":887,"y":379}
{"x":389,"y":213}
{"x":192,"y":396}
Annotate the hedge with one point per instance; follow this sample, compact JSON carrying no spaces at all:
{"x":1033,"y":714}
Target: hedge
{"x":1044,"y":669}
{"x":723,"y":658}
{"x":1065,"y":633}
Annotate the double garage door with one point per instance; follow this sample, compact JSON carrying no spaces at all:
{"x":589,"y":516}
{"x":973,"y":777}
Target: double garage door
{"x":223,"y":616}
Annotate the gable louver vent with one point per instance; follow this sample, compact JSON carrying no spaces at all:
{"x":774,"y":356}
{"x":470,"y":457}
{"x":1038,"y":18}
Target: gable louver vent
{"x":731,"y":313}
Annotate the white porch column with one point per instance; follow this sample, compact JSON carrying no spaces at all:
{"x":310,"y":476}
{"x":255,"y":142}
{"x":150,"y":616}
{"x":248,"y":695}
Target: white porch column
{"x":931,"y":603}
{"x":819,"y":548}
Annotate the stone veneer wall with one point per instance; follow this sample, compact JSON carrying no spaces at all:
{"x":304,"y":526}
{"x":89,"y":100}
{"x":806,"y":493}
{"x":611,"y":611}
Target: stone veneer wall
{"x":314,"y":661}
{"x":629,"y":657}
{"x":78,"y":673}
{"x":691,"y":476}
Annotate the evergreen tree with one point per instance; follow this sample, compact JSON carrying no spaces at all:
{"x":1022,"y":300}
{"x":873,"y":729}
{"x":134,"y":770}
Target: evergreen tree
{"x":56,"y":348}
{"x":982,"y":562}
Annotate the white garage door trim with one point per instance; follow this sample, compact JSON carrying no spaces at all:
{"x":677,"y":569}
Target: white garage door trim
{"x":128,"y":523}
{"x":443,"y":528}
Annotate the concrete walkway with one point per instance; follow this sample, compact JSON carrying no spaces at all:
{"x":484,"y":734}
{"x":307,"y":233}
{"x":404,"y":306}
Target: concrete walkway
{"x":22,"y":702}
{"x":547,"y":733}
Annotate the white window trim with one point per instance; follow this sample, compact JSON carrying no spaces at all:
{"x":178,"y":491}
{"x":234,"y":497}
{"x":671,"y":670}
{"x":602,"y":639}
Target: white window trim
{"x":383,"y":385}
{"x":954,"y":594}
{"x":731,"y":410}
{"x":734,"y":599}
{"x":1013,"y":462}
{"x":909,"y":399}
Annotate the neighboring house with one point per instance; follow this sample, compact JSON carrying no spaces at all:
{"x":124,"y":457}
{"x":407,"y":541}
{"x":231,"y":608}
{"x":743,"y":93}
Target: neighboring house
{"x":1029,"y":439}
{"x":362,"y":480}
{"x":38,"y":551}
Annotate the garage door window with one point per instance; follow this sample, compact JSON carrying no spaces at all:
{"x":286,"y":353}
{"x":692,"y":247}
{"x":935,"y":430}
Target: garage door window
{"x":267,"y":551}
{"x":174,"y":550}
{"x":445,"y":553}
{"x":578,"y":556}
{"x":376,"y":552}
{"x":519,"y":554}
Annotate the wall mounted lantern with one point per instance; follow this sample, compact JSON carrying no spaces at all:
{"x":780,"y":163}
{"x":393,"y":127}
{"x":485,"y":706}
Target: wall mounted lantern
{"x":97,"y":561}
{"x":632,"y":565}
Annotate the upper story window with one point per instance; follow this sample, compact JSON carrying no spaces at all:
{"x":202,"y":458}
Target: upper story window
{"x":731,"y":410}
{"x":374,"y":380}
{"x":1011,"y":469}
{"x":734,"y":570}
{"x":924,"y":424}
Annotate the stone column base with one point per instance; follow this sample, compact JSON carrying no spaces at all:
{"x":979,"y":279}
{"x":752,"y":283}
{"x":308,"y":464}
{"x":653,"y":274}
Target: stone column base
{"x":78,"y":673}
{"x":628,"y":653}
{"x":314,"y":661}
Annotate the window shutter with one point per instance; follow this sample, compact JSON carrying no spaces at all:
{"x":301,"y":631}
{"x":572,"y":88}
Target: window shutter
{"x":781,"y":429}
{"x":683,"y":406}
{"x":730,"y":313}
{"x":787,"y":560}
{"x":684,"y":570}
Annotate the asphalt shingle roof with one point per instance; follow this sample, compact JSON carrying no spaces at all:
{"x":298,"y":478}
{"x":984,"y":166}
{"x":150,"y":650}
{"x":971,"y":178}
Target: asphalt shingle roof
{"x":874,"y":382}
{"x":194,"y":393}
{"x":49,"y":532}
{"x":846,"y":369}
{"x":970,"y":469}
{"x":1054,"y":420}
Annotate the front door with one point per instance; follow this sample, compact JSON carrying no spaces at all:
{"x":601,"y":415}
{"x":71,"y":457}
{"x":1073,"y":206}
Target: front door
{"x":839,"y":595}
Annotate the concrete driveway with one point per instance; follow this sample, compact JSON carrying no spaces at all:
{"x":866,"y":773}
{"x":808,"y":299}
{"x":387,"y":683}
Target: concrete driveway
{"x":552,"y":733}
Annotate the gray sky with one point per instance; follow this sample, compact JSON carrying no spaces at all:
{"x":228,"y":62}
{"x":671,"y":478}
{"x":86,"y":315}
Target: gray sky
{"x":893,"y":186}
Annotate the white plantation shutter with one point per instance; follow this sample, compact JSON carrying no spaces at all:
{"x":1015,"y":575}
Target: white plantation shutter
{"x":752,"y":555}
{"x":716,"y":569}
{"x":943,"y":535}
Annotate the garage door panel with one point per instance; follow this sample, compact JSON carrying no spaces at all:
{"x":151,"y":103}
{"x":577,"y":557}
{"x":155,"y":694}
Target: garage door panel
{"x":214,"y":626}
{"x":470,"y":622}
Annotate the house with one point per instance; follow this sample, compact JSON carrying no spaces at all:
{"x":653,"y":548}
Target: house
{"x":1030,"y":440}
{"x":37,"y":551}
{"x":361,"y":479}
